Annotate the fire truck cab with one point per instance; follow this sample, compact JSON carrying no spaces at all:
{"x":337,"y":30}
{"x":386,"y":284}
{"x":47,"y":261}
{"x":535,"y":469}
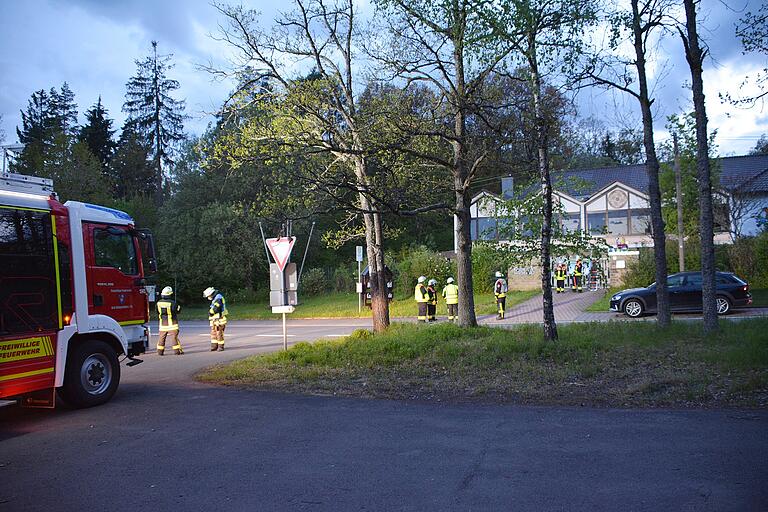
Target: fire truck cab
{"x":73,"y":295}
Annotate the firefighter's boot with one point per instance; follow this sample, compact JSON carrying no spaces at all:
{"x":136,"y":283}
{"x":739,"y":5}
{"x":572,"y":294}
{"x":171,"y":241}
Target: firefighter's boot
{"x":214,"y":347}
{"x":221,"y":347}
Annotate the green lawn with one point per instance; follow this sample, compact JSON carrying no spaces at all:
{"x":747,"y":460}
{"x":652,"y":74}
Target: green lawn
{"x":604,"y":302}
{"x":759,"y":297}
{"x":616,"y":364}
{"x":344,"y":305}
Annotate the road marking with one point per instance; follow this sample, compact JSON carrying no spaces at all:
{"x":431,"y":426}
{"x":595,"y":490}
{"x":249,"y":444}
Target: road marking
{"x":275,"y":335}
{"x":336,"y":335}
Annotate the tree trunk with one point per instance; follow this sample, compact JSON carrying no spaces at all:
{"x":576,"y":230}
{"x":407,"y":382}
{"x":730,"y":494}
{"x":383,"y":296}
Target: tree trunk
{"x":467,"y":316}
{"x":375,"y":251}
{"x":663,"y":315}
{"x":158,"y":131}
{"x":695,"y":57}
{"x":550,"y":326}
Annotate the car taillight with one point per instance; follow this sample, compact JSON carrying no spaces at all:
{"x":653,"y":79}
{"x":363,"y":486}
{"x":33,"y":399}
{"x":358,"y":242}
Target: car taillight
{"x":746,"y":288}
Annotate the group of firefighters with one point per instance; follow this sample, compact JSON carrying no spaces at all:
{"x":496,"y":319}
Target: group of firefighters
{"x":425,"y":296}
{"x":168,"y":313}
{"x":577,"y":277}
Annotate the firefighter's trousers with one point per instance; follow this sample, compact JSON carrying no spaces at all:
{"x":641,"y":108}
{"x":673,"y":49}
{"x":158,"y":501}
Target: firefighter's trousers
{"x":502,"y":302}
{"x":217,"y":335}
{"x":431,"y":312}
{"x":560,"y":285}
{"x":174,"y":335}
{"x":422,"y":317}
{"x":453,"y":312}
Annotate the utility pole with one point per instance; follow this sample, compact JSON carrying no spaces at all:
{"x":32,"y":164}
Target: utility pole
{"x":679,"y":200}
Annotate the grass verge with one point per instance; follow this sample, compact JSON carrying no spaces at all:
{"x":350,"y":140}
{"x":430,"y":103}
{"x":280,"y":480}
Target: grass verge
{"x":759,"y":297}
{"x":608,"y":364}
{"x":603,"y":303}
{"x":344,"y":305}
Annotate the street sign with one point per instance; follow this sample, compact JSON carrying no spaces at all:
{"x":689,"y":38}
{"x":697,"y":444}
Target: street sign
{"x":280,"y":249}
{"x":283,"y":309}
{"x":358,"y":253}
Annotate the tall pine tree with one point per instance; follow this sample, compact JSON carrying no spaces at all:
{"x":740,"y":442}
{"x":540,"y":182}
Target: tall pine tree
{"x":131,"y":168}
{"x":47,"y":131}
{"x":97,"y":133}
{"x":158,"y":116}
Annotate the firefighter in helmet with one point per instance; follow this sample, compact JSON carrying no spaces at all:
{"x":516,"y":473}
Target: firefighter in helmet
{"x":451,"y":296}
{"x":432,"y":304}
{"x":578,"y":273}
{"x":560,"y":276}
{"x":217,"y":316}
{"x":421,"y":297}
{"x":500,"y":292}
{"x":168,"y":314}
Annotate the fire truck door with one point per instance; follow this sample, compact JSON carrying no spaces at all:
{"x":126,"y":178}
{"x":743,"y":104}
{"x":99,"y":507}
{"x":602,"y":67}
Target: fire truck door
{"x":114,"y":284}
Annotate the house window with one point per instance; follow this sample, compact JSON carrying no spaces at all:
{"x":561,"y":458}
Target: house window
{"x":640,"y":221}
{"x":570,"y":222}
{"x":596,"y":223}
{"x":618,"y":222}
{"x":486,"y":228}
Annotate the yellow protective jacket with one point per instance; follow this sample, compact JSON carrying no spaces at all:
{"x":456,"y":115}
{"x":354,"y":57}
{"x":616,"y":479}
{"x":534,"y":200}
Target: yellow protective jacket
{"x":168,"y":312}
{"x":451,"y":294}
{"x":217,"y":314}
{"x":432,"y":295}
{"x":420,"y":293}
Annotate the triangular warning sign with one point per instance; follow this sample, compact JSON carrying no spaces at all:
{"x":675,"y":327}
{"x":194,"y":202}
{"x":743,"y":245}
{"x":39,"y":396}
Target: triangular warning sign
{"x":280,"y":249}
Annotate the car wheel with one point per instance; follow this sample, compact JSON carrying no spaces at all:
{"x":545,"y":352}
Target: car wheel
{"x":723,"y":305}
{"x":92,"y":374}
{"x":633,"y":308}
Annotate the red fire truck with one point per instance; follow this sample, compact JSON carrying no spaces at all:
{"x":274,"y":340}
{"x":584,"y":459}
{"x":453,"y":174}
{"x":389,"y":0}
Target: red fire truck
{"x":73,"y":295}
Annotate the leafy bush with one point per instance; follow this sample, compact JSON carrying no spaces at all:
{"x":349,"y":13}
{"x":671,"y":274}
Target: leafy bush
{"x":420,"y":261}
{"x":486,"y":260}
{"x":313,"y":282}
{"x":344,"y":278}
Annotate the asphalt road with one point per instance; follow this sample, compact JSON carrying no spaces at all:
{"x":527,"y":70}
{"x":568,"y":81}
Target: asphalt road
{"x":167,"y":443}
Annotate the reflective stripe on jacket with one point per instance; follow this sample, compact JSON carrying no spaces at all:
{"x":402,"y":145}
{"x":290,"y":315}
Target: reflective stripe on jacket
{"x":167,"y":312}
{"x":432,"y":295}
{"x":420,"y":293}
{"x":218,"y":312}
{"x":451,"y":294}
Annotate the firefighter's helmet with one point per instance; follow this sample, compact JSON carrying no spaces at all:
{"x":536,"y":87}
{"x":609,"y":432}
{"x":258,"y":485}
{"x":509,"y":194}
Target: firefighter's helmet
{"x":449,"y":280}
{"x":422,"y":279}
{"x":167,"y":292}
{"x":208,"y":292}
{"x":433,"y":282}
{"x":499,"y":274}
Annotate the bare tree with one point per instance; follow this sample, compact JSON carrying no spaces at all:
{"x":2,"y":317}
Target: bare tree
{"x":643,"y":22}
{"x":453,"y":47}
{"x":316,"y":112}
{"x":695,"y":55}
{"x":545,"y":34}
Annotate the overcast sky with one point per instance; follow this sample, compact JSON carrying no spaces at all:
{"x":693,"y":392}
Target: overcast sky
{"x":92,"y":45}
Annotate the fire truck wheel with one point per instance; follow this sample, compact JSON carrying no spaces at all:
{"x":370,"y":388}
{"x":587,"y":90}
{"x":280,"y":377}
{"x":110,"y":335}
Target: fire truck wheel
{"x":92,"y":374}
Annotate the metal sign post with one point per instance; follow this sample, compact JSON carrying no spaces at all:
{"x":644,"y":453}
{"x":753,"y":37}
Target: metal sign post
{"x":280,"y":248}
{"x":359,"y":258}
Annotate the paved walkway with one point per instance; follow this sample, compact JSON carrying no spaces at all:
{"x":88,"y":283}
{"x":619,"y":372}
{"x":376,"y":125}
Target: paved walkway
{"x":572,"y":307}
{"x":569,"y":306}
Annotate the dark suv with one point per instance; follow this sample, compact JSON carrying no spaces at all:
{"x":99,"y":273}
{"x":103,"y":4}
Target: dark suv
{"x":684,"y":295}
